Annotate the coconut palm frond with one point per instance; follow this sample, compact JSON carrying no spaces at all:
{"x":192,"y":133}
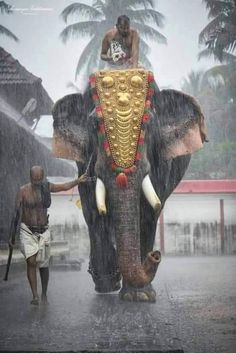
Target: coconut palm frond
{"x":5,"y":8}
{"x":228,"y":45}
{"x":193,"y":83}
{"x":222,"y":70}
{"x":216,"y":72}
{"x":6,"y":32}
{"x":212,"y":29}
{"x":83,"y":60}
{"x":143,"y":47}
{"x":215,"y":7}
{"x":209,"y":52}
{"x":228,"y":57}
{"x":94,"y":60}
{"x":150,"y":32}
{"x":146,"y":15}
{"x":136,"y":3}
{"x":99,"y":4}
{"x":81,"y":9}
{"x":219,"y":36}
{"x":145,"y":62}
{"x":80,"y":29}
{"x":205,"y":53}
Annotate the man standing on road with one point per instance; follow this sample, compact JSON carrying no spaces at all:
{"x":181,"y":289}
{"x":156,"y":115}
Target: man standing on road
{"x":32,"y":201}
{"x":120,"y":46}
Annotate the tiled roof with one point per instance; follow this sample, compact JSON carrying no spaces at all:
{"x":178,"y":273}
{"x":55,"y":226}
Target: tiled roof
{"x":12,"y":72}
{"x":206,"y":186}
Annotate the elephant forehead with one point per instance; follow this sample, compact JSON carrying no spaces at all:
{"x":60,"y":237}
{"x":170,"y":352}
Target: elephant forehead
{"x":122,"y":95}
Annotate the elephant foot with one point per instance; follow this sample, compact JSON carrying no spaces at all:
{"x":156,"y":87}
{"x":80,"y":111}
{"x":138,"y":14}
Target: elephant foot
{"x":105,"y":283}
{"x":107,"y":286}
{"x":145,"y":294}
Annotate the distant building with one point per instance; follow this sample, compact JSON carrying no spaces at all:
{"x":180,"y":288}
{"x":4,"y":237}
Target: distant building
{"x":199,"y":218}
{"x":21,"y":92}
{"x":67,"y":222}
{"x":22,"y":101}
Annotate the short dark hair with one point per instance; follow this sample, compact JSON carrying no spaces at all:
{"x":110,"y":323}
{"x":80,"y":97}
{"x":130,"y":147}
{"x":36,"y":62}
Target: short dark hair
{"x":123,"y":19}
{"x":36,"y":168}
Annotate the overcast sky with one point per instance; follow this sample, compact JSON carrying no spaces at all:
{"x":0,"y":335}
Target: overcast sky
{"x":37,"y":23}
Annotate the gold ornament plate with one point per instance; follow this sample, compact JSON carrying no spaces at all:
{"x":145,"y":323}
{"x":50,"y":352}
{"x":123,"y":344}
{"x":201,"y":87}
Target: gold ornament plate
{"x":122,"y":94}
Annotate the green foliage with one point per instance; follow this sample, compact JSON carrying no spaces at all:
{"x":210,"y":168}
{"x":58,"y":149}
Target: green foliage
{"x":193,"y":83}
{"x":215,"y":90}
{"x":6,"y":8}
{"x":101,"y":17}
{"x":219,"y":36}
{"x":214,"y":161}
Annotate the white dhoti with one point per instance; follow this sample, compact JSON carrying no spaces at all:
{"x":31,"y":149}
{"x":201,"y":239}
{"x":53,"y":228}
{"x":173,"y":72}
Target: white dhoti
{"x":32,"y":243}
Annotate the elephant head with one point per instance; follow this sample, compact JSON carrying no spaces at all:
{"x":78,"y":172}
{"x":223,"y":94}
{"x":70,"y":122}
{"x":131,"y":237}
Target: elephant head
{"x":140,"y":140}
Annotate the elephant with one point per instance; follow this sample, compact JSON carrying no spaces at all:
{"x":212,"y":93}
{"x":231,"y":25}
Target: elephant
{"x":137,"y":141}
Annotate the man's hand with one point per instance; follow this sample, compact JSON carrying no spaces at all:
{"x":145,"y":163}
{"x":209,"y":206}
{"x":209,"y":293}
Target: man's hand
{"x":132,"y":63}
{"x":83,"y":178}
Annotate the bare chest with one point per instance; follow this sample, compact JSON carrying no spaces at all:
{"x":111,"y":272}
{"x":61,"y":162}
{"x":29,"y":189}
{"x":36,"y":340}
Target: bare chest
{"x":32,"y":198}
{"x":117,"y":41}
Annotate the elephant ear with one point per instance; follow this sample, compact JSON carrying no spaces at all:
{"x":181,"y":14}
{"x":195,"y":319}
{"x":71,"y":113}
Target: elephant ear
{"x":71,"y":137}
{"x":176,"y":130}
{"x":181,"y":123}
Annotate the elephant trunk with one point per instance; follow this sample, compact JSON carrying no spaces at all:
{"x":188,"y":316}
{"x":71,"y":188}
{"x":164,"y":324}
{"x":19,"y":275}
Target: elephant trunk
{"x":124,"y":205}
{"x":135,"y":273}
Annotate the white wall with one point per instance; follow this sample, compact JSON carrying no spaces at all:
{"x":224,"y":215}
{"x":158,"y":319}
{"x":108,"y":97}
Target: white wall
{"x":192,"y":224}
{"x":67,"y":223}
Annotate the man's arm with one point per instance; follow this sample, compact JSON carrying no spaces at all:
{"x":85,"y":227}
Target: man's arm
{"x":135,"y":50}
{"x":105,"y":47}
{"x":69,"y":185}
{"x":16,"y":218}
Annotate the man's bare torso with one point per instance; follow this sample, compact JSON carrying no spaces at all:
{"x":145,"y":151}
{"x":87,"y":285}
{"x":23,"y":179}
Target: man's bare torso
{"x":125,"y":42}
{"x":33,"y":212}
{"x":120,"y":48}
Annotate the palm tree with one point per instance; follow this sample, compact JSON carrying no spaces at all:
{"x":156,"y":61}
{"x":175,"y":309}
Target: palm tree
{"x":5,"y":8}
{"x":193,"y":83}
{"x":101,"y":16}
{"x":213,"y":91}
{"x":219,"y":36}
{"x":225,"y":77}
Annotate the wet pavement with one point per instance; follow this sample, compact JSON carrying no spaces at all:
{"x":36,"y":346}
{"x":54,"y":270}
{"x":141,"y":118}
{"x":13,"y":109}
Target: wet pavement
{"x":195,"y":312}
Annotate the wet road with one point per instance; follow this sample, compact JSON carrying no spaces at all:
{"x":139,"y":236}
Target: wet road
{"x":195,"y":312}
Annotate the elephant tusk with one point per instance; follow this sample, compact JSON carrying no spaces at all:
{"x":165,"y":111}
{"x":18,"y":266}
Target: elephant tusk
{"x":100,"y":193}
{"x":150,"y":193}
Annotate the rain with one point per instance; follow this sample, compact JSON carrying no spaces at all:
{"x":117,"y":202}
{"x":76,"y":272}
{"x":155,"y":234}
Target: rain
{"x":142,"y":251}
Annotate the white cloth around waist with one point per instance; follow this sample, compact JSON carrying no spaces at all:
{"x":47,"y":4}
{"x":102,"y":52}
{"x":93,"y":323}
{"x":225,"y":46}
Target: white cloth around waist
{"x":32,"y":243}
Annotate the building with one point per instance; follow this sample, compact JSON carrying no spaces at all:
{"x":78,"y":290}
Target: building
{"x":21,"y":92}
{"x":23,"y":100}
{"x":199,"y":218}
{"x":67,"y":222}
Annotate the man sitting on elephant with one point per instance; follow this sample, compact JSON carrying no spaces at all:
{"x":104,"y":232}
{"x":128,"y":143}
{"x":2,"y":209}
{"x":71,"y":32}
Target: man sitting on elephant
{"x":120,"y":46}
